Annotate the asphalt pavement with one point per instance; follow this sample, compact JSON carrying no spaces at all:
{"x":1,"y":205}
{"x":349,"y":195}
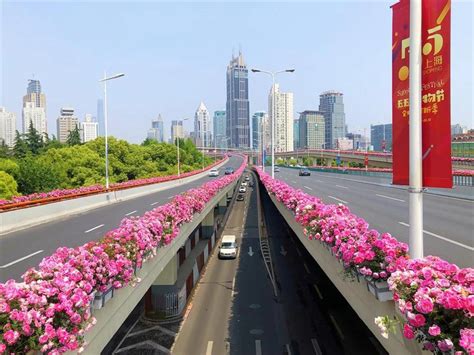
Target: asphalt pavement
{"x":26,"y":248}
{"x":448,"y":222}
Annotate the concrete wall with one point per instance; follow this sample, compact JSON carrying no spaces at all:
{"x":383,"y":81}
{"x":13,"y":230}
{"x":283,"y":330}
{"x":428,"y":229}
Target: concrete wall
{"x":356,"y":294}
{"x":27,"y":217}
{"x":111,"y":317}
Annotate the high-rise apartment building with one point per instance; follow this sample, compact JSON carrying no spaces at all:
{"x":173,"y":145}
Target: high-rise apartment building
{"x":177,"y":130}
{"x":258,"y":122}
{"x":34,"y":108}
{"x":89,"y":129}
{"x":381,"y":137}
{"x":66,"y":122}
{"x":312,"y":129}
{"x":237,"y":107}
{"x":332,"y":104}
{"x":283,"y":118}
{"x":100,"y":117}
{"x":219,"y":125}
{"x":202,"y":127}
{"x":7,"y":127}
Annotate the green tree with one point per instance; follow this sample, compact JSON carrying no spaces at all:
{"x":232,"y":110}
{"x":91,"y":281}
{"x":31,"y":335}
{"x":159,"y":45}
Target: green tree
{"x":37,"y":176}
{"x":10,"y":167}
{"x":52,"y":142}
{"x":20,"y":148}
{"x":4,"y":150}
{"x":34,"y":140}
{"x":8,"y":186}
{"x":74,"y":137}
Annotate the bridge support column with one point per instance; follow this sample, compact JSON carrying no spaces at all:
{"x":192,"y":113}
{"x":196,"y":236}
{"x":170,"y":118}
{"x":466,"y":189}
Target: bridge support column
{"x":222,"y":205}
{"x":207,"y":225}
{"x":169,"y":274}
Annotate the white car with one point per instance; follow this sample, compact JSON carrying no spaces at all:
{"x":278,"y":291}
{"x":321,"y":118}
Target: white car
{"x":213,"y":172}
{"x":228,"y":248}
{"x":244,"y":183}
{"x":242,"y":189}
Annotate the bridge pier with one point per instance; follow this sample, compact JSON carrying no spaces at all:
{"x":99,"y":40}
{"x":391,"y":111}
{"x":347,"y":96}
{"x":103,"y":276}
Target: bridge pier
{"x":207,"y":225}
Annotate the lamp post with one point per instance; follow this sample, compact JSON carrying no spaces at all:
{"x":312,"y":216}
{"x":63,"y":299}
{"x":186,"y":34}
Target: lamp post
{"x":104,"y":80}
{"x":273,"y":74}
{"x":177,"y":143}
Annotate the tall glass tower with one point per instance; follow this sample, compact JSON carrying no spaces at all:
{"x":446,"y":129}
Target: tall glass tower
{"x":237,"y":107}
{"x":158,"y":126}
{"x":332,"y":105}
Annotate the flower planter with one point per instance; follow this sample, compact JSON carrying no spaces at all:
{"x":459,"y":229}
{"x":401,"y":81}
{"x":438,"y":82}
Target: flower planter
{"x":380,"y":290}
{"x":101,"y":298}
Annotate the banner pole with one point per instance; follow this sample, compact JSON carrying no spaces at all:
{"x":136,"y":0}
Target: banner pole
{"x":415,"y":143}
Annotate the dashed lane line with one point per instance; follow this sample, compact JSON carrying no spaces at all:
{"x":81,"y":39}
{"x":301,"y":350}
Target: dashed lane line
{"x":209,"y":348}
{"x":338,"y":199}
{"x":338,"y":330}
{"x":306,"y":268}
{"x":318,"y":291}
{"x":306,"y":187}
{"x":154,"y":203}
{"x":129,"y":213}
{"x":390,"y":198}
{"x":94,"y":228}
{"x":342,"y":187}
{"x":258,"y":347}
{"x":442,"y":238}
{"x":316,"y":348}
{"x":21,"y":259}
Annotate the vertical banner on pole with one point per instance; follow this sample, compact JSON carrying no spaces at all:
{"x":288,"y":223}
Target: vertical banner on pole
{"x":436,"y":108}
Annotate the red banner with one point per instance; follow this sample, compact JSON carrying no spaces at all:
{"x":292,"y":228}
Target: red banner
{"x":436,"y":102}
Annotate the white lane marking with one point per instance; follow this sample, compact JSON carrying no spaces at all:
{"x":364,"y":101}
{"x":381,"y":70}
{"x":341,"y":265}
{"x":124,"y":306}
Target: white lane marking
{"x":129,"y":213}
{"x":306,"y":268}
{"x":337,"y":199}
{"x":306,"y":187}
{"x":317,"y":349}
{"x":293,"y":181}
{"x":288,"y":349}
{"x":298,"y":251}
{"x":442,"y":238}
{"x":169,"y":198}
{"x":338,"y":330}
{"x":318,"y":180}
{"x":233,"y":286}
{"x":154,"y":203}
{"x":93,"y":229}
{"x":342,"y":187}
{"x":258,"y":347}
{"x":320,"y":295}
{"x":21,"y":259}
{"x":209,"y":348}
{"x":390,"y":198}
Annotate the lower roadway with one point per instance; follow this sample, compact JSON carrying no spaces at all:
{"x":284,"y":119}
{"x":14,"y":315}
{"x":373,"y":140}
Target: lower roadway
{"x":448,"y":222}
{"x":233,"y":309}
{"x":26,"y":248}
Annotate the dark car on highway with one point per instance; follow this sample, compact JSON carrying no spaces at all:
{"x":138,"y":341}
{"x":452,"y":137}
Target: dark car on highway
{"x":304,"y":172}
{"x":240,"y":197}
{"x":228,"y":171}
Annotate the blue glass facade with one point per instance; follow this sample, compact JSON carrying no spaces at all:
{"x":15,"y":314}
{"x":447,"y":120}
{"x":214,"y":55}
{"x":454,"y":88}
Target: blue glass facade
{"x":158,"y":125}
{"x":257,"y":128}
{"x":219,"y":129}
{"x":381,"y":137}
{"x":332,"y":105}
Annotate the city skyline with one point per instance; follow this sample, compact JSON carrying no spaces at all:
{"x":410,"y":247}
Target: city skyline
{"x":131,"y":109}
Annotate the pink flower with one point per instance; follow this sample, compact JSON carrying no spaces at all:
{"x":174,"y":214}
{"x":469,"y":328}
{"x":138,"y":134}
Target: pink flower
{"x":3,"y":347}
{"x":445,"y":345}
{"x":467,"y":339}
{"x":434,"y":330}
{"x":10,"y":336}
{"x":425,"y":305}
{"x":408,"y":332}
{"x":416,"y":320}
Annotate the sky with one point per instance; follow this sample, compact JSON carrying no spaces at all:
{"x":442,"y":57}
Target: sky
{"x":174,"y":55}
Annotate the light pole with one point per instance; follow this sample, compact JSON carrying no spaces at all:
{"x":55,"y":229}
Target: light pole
{"x":104,"y":80}
{"x":273,"y":74}
{"x":177,"y":142}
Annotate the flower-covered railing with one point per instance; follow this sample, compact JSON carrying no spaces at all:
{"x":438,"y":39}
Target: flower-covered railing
{"x":61,"y":194}
{"x":51,"y":310}
{"x":435,"y":298}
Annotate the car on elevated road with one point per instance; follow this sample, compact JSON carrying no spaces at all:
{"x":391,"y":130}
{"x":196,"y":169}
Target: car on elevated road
{"x":304,"y":172}
{"x":242,"y":189}
{"x":228,"y":170}
{"x":240,"y":197}
{"x":228,"y":248}
{"x":214,"y":172}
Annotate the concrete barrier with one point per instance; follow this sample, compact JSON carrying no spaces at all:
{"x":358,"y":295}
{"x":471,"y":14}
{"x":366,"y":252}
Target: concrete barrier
{"x":112,"y":316}
{"x":361,"y":300}
{"x":24,"y":218}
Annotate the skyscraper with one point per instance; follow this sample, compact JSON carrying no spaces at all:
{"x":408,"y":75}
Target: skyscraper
{"x":158,"y":129}
{"x":258,"y":120}
{"x":7,"y":127}
{"x":283,"y":118}
{"x":89,"y":129}
{"x":34,"y":108}
{"x":296,"y":134}
{"x":332,"y":104}
{"x":381,"y":137}
{"x":100,"y":117}
{"x":176,"y":130}
{"x":219,"y":125}
{"x":202,"y":126}
{"x":237,"y":107}
{"x":66,"y":122}
{"x":312,"y":129}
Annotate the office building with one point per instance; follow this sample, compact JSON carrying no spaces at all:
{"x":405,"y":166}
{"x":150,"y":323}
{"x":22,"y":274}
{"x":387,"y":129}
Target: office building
{"x":258,"y":120}
{"x":219,"y":125}
{"x":296,"y":134}
{"x":332,"y":104}
{"x":202,"y":127}
{"x":7,"y":127}
{"x":100,"y":117}
{"x":34,"y":108}
{"x":156,"y":132}
{"x":66,"y":122}
{"x":381,"y":137}
{"x":311,"y":129}
{"x":177,"y":130}
{"x":344,"y":144}
{"x":237,"y":106}
{"x":358,"y":141}
{"x":283,"y":118}
{"x":89,"y":129}
{"x":458,"y":129}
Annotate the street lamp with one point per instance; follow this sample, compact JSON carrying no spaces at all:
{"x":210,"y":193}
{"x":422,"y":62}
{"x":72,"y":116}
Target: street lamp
{"x":104,"y":80}
{"x":273,"y":74}
{"x":177,"y":143}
